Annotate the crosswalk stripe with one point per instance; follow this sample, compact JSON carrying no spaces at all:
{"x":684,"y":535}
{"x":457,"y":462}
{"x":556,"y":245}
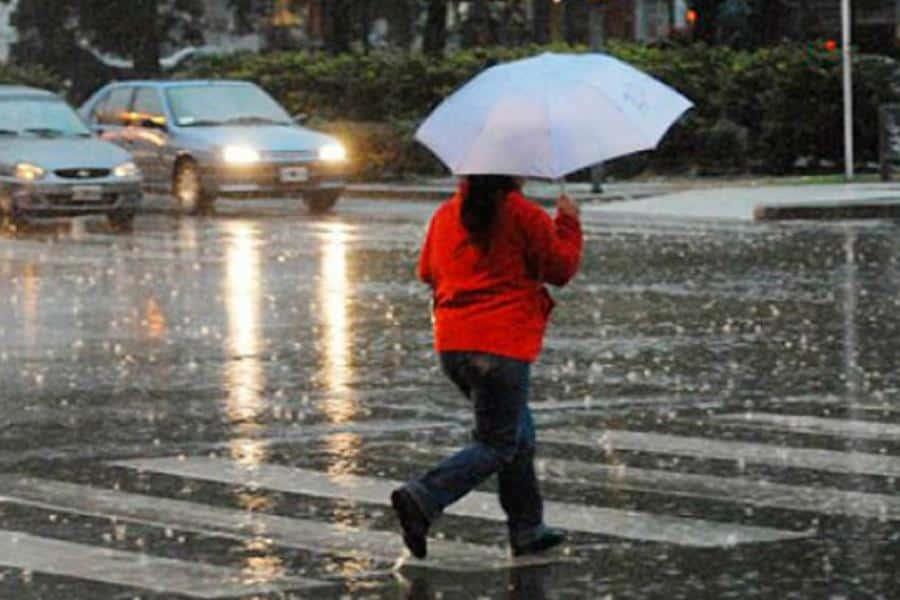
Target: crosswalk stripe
{"x":271,"y":435}
{"x":742,"y":452}
{"x":315,"y":536}
{"x":743,"y":491}
{"x":597,"y":404}
{"x":118,"y":567}
{"x":733,"y":489}
{"x":882,"y":408}
{"x":815,"y":425}
{"x":556,"y":413}
{"x":575,"y":517}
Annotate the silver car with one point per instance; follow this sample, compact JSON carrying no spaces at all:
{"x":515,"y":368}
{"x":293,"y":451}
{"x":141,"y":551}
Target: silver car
{"x":200,"y":140}
{"x":52,"y":166}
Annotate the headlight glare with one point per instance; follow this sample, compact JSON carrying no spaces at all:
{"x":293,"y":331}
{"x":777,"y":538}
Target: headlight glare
{"x":127,"y":169}
{"x":29,"y":172}
{"x":333,"y":153}
{"x":240,"y":155}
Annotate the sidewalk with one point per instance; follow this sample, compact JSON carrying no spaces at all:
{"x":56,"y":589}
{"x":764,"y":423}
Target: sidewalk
{"x":763,"y":203}
{"x":733,"y":199}
{"x":438,"y":189}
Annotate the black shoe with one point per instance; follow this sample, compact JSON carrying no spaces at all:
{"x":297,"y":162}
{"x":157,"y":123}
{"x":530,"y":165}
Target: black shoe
{"x":413,"y":522}
{"x":549,"y":538}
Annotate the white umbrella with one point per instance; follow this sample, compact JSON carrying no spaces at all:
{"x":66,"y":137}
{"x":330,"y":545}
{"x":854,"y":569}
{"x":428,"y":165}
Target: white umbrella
{"x":550,"y":115}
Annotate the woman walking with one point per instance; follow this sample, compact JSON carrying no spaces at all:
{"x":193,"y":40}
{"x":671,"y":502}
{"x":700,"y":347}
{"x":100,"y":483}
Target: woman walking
{"x":487,"y":255}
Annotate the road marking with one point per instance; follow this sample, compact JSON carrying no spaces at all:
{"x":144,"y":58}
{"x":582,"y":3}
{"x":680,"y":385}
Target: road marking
{"x":555,"y":413}
{"x":598,"y":404}
{"x":883,"y":408}
{"x":868,"y":430}
{"x":163,"y":575}
{"x":575,"y":517}
{"x":314,"y":536}
{"x":741,"y":491}
{"x":732,"y":489}
{"x":277,"y":434}
{"x":742,"y":452}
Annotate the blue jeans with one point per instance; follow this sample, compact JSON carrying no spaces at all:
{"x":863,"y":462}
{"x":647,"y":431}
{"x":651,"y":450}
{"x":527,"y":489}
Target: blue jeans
{"x":503,"y":443}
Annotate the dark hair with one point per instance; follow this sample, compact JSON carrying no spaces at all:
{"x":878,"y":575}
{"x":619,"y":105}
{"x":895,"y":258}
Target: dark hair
{"x":479,"y":206}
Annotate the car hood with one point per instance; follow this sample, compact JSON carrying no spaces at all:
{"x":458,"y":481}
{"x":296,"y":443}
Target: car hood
{"x":272,"y":138}
{"x":63,"y":153}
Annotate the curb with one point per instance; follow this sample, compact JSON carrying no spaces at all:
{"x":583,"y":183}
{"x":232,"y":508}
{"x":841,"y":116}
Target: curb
{"x":871,"y":209}
{"x":401,"y":193}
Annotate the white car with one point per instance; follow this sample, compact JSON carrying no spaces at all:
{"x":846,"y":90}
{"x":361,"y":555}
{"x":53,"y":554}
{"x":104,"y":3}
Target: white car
{"x":200,"y":140}
{"x":51,"y":165}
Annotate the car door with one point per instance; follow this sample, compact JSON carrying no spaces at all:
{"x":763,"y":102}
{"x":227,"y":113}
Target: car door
{"x":109,"y":117}
{"x":149,"y":134}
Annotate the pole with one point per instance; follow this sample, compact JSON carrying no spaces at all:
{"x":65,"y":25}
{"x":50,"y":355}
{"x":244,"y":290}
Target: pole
{"x":597,"y":25}
{"x":848,"y":89}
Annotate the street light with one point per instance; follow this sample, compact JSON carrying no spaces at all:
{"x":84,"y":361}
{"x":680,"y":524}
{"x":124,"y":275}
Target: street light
{"x":848,"y":90}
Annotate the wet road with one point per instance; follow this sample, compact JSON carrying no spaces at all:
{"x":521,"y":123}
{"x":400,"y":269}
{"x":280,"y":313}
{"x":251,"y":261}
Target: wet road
{"x":215,"y":407}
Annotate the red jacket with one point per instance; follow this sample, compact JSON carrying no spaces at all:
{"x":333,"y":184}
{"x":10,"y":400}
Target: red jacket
{"x":495,"y":300}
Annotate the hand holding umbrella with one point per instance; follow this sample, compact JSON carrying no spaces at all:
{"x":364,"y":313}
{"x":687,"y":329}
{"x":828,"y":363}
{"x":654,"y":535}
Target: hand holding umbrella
{"x":565,"y":205}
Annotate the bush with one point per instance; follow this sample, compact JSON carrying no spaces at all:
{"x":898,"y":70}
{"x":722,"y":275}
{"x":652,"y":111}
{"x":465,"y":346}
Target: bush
{"x":33,"y":76}
{"x":761,"y":110}
{"x":724,"y":149}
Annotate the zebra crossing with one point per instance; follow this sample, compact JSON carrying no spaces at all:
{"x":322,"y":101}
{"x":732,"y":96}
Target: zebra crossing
{"x":480,"y":505}
{"x":50,"y":553}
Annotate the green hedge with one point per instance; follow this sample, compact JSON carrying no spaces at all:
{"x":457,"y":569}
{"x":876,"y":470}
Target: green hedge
{"x":760,"y":110}
{"x":32,"y":75}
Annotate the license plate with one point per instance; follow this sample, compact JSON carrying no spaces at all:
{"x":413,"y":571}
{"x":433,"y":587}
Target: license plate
{"x":294,"y":174}
{"x":87,"y":193}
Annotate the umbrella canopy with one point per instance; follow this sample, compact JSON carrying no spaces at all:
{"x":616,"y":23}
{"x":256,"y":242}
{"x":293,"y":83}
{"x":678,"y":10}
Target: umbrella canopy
{"x":550,"y":115}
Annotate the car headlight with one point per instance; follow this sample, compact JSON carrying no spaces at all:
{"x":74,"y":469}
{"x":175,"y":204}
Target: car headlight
{"x":240,"y":155}
{"x":333,"y":153}
{"x":29,"y":172}
{"x":127,"y":169}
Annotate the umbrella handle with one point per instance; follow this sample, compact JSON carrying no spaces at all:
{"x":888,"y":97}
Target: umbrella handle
{"x":562,"y":185}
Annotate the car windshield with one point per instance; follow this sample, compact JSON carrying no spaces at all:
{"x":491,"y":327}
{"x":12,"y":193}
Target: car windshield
{"x":39,"y":116}
{"x":210,"y":105}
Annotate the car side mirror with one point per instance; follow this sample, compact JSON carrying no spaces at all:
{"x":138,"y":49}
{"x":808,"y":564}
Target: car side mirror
{"x":301,"y":118}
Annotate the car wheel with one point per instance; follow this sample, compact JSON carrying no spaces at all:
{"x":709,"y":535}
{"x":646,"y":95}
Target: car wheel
{"x":321,"y":201}
{"x":121,"y":220}
{"x":188,"y":189}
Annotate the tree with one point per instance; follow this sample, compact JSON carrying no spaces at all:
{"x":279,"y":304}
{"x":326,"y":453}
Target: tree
{"x":480,"y":19}
{"x":744,"y":23}
{"x":513,"y":25}
{"x":100,"y":25}
{"x":401,"y":15}
{"x":338,"y":25}
{"x":141,"y":35}
{"x":541,"y":21}
{"x":365,"y":9}
{"x":435,"y":28}
{"x":705,"y":26}
{"x":578,"y":21}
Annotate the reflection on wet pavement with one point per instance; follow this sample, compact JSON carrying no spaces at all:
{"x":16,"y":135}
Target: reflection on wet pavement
{"x":717,"y":412}
{"x":244,"y":376}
